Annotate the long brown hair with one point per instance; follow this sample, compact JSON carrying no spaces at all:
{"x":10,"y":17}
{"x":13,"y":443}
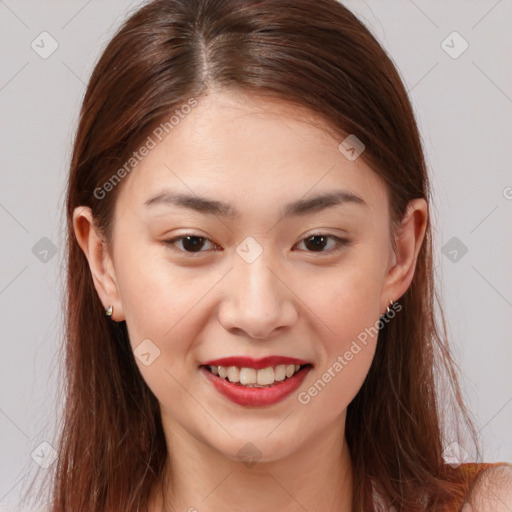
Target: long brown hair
{"x":315,"y":54}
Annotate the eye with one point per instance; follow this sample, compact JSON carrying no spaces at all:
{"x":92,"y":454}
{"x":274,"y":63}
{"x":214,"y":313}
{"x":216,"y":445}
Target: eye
{"x":317,"y":242}
{"x":191,"y":243}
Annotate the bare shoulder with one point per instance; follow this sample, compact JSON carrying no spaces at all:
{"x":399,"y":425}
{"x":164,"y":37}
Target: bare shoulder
{"x":492,"y":491}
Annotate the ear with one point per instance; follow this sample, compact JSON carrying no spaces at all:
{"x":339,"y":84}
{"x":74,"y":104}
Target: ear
{"x":94,"y":247}
{"x":408,"y":241}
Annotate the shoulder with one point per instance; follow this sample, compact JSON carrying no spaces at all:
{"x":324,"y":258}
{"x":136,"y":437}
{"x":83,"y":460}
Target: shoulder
{"x":492,"y":489}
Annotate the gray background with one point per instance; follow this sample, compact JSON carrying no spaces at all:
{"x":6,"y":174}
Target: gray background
{"x":463,"y":106}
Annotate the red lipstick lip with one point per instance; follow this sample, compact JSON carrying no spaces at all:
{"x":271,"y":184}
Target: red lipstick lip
{"x":254,"y":396}
{"x":257,"y":364}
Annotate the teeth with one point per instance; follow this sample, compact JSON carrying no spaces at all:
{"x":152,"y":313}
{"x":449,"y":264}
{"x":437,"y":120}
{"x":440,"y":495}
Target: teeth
{"x":247,"y":376}
{"x":255,"y":378}
{"x":280,"y":372}
{"x":233,"y":374}
{"x":290,"y":370}
{"x":265,"y":376}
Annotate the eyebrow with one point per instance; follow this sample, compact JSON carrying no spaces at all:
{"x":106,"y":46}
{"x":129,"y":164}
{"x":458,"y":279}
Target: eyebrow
{"x":299,"y":207}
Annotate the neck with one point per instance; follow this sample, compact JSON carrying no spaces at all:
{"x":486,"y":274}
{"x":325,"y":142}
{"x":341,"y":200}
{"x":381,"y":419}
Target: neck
{"x":317,"y":476}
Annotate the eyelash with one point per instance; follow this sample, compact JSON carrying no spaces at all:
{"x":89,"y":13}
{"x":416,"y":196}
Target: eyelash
{"x":342,"y":242}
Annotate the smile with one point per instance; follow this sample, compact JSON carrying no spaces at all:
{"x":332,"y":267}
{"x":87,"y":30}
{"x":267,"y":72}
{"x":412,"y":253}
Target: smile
{"x":251,"y":377}
{"x":248,"y":391}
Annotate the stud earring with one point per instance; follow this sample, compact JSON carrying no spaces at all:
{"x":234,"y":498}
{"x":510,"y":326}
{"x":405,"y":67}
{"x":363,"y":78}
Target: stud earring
{"x":109,"y":311}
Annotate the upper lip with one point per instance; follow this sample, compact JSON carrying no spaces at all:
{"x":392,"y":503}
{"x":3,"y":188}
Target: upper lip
{"x":257,"y":364}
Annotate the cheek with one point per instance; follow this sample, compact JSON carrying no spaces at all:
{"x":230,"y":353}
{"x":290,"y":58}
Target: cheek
{"x":326,"y":397}
{"x":347,"y":298}
{"x":348,"y":348}
{"x":155,"y":293}
{"x":158,"y":305}
{"x":350,"y":327}
{"x":347,"y":305}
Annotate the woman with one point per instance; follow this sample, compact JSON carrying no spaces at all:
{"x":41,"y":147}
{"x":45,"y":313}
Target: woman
{"x":248,"y":203}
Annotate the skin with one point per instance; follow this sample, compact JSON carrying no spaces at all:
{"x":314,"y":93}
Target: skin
{"x":492,"y":491}
{"x":256,"y":154}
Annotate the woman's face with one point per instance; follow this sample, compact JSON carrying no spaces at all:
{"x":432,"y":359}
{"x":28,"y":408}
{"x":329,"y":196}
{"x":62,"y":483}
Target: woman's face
{"x":254,"y":284}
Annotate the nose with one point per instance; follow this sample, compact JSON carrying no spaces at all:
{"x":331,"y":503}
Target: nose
{"x":258,"y":300}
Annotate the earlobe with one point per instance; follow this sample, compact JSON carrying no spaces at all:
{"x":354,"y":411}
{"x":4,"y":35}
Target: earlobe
{"x":94,"y":247}
{"x":408,"y":242}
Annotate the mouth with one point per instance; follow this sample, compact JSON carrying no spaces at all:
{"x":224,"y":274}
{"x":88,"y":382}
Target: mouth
{"x":251,"y":387}
{"x":248,"y":377}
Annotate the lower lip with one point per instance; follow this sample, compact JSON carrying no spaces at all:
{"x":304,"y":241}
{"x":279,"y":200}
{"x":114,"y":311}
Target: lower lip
{"x":257,"y":396}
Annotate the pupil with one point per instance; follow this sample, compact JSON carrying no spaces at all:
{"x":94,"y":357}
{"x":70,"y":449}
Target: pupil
{"x":322,"y":244}
{"x":193,"y":245}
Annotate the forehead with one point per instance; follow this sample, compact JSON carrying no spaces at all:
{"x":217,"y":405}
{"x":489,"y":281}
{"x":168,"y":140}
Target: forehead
{"x":249,"y":150}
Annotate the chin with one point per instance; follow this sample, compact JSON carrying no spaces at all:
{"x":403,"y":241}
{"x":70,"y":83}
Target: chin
{"x":258,"y":448}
